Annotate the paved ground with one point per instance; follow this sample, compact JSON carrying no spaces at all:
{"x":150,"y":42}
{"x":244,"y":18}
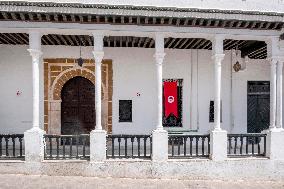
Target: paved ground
{"x":54,"y":182}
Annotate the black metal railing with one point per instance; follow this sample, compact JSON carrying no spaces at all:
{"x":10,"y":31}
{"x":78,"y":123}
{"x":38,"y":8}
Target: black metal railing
{"x":246,"y":145}
{"x":189,"y":146}
{"x":12,"y":146}
{"x":129,"y":146}
{"x":67,"y":147}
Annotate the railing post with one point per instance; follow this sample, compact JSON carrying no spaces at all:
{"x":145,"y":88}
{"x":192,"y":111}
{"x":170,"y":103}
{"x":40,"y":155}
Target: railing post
{"x":98,"y":136}
{"x":34,"y":147}
{"x":218,"y":137}
{"x":159,"y":135}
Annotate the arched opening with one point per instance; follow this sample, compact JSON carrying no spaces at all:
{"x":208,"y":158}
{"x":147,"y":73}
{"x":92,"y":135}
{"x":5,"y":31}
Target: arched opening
{"x":78,"y":114}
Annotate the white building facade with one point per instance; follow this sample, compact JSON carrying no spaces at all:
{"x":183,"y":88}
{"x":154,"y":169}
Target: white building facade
{"x":226,"y":64}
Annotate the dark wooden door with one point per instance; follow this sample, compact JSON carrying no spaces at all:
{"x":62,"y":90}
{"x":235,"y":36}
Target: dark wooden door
{"x":258,"y":106}
{"x":78,"y":115}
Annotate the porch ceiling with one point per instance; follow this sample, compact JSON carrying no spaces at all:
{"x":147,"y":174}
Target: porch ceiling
{"x":250,"y":48}
{"x":138,"y":15}
{"x":140,"y":20}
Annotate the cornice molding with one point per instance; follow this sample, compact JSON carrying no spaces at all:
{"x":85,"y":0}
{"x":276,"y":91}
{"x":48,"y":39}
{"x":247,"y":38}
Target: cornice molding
{"x":130,"y":10}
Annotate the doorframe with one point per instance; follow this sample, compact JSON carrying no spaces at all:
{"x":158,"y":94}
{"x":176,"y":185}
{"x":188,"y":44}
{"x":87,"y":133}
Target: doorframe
{"x":53,"y":87}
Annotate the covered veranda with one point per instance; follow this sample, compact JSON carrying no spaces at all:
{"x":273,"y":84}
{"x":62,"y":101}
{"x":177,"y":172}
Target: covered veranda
{"x":246,"y":39}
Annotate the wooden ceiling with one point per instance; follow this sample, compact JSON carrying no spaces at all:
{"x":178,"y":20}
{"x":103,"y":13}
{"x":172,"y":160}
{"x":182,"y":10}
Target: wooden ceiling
{"x":252,"y":49}
{"x":139,"y":20}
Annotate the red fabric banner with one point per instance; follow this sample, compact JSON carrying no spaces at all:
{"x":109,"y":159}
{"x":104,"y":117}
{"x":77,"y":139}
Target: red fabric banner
{"x":170,"y":98}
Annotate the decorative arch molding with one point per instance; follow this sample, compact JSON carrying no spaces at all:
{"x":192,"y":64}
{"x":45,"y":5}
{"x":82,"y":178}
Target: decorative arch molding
{"x":68,"y":74}
{"x":57,"y":72}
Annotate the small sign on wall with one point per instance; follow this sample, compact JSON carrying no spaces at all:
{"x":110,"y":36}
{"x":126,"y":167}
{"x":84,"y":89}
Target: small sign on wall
{"x":125,"y":110}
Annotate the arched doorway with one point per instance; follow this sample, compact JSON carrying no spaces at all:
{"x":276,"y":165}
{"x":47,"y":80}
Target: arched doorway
{"x":78,"y":115}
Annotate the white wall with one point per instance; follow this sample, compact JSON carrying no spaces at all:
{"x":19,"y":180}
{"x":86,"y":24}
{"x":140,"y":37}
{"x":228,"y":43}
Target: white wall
{"x":134,"y":71}
{"x":15,"y":74}
{"x":257,"y":70}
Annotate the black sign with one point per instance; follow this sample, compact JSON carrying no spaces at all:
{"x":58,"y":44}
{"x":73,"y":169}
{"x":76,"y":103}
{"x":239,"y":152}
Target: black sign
{"x":125,"y":110}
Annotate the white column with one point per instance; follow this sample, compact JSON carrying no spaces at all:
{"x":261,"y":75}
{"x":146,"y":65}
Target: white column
{"x":159,"y":57}
{"x":34,"y":147}
{"x":160,"y":136}
{"x":273,"y":94}
{"x":218,"y":137}
{"x":35,"y":52}
{"x":279,"y":94}
{"x":98,"y":56}
{"x":275,"y":135}
{"x":98,"y":136}
{"x":217,"y":59}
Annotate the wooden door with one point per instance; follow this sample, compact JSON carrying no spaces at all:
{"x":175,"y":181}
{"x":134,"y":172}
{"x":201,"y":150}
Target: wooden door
{"x":78,"y":115}
{"x":258,"y":106}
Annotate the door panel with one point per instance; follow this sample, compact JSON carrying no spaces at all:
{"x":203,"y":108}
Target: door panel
{"x":258,"y":106}
{"x":78,"y":106}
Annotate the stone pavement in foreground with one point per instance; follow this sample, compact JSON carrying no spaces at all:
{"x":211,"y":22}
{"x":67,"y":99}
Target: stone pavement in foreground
{"x":68,"y":182}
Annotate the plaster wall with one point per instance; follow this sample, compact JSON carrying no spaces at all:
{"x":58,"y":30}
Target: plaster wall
{"x":134,"y":72}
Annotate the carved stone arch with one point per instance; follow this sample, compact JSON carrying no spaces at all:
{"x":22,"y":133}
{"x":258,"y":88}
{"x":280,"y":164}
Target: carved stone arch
{"x":55,"y":96}
{"x":68,"y":74}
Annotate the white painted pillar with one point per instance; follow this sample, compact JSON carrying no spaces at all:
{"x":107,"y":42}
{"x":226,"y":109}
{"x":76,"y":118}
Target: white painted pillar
{"x":160,"y":136}
{"x":279,"y":108}
{"x":98,"y":56}
{"x":275,"y":135}
{"x":218,"y":137}
{"x":159,"y":57}
{"x":34,"y":148}
{"x":217,"y":59}
{"x":98,"y":136}
{"x":273,"y":94}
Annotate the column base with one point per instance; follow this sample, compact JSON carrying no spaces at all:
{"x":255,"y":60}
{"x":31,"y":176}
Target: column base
{"x":159,"y":145}
{"x":274,"y":145}
{"x":98,"y":145}
{"x":34,"y":145}
{"x":218,"y":145}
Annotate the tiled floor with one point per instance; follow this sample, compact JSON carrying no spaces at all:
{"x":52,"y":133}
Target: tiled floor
{"x":54,"y":182}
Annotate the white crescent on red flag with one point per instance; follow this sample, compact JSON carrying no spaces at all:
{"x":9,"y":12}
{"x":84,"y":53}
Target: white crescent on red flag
{"x":170,"y":98}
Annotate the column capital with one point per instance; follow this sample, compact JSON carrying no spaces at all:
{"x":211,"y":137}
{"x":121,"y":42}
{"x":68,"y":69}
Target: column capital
{"x":98,"y":56}
{"x":98,"y":41}
{"x":274,"y":59}
{"x":217,"y":44}
{"x":35,"y":54}
{"x":281,"y":44}
{"x":159,"y":36}
{"x":100,"y":33}
{"x":281,"y":61}
{"x":217,"y":37}
{"x":218,"y":57}
{"x":35,"y":33}
{"x":159,"y":43}
{"x":35,"y":39}
{"x":159,"y":56}
{"x":271,"y":39}
{"x":273,"y":46}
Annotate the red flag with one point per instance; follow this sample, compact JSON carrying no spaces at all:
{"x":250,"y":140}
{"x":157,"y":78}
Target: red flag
{"x":170,"y":98}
